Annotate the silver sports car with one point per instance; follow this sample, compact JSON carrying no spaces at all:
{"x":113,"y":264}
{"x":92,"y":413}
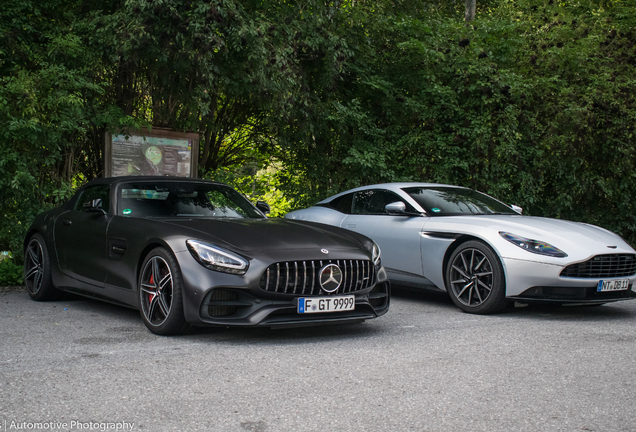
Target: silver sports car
{"x":483,"y":252}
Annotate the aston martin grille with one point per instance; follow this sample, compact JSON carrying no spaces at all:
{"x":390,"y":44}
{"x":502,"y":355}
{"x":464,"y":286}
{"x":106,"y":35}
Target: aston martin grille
{"x":301,"y":277}
{"x":603,"y":266}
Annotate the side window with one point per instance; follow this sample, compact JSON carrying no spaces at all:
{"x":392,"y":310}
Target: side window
{"x":94,"y":192}
{"x":372,"y":202}
{"x":342,"y":204}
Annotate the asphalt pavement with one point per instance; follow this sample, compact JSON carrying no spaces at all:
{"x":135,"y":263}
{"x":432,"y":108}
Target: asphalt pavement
{"x":79,"y":364}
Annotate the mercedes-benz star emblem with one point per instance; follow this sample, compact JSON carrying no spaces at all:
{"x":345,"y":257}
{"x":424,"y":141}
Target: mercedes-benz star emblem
{"x":330,"y":277}
{"x":325,"y":251}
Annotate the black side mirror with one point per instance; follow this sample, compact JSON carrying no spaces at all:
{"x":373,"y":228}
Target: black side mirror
{"x":94,"y":206}
{"x":395,"y":208}
{"x":263,"y":206}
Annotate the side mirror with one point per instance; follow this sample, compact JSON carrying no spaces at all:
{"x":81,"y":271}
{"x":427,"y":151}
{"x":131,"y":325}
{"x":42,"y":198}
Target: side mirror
{"x":94,"y":206}
{"x":517,"y":209}
{"x":263,"y":206}
{"x":395,"y":208}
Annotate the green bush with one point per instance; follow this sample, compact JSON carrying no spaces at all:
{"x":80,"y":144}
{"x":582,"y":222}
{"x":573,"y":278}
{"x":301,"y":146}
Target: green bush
{"x":533,"y":103}
{"x":10,"y":273}
{"x":256,"y":184}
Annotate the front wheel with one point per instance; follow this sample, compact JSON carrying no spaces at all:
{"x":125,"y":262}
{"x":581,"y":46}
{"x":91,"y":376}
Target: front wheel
{"x":160,"y":294}
{"x":475,"y":279}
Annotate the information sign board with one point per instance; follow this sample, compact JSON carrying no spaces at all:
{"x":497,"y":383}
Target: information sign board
{"x":158,"y":152}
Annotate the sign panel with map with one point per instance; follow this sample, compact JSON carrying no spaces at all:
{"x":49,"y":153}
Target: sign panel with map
{"x":160,"y":152}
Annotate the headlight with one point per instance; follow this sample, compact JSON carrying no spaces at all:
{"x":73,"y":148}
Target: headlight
{"x":534,"y":246}
{"x":376,"y":254}
{"x":218,"y":259}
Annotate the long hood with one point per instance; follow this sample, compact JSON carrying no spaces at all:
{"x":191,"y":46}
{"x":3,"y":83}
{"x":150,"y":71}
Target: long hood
{"x":578,"y":240}
{"x":270,"y":234}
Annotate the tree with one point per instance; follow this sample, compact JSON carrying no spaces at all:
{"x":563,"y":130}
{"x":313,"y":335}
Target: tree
{"x":470,"y":10}
{"x":534,"y":104}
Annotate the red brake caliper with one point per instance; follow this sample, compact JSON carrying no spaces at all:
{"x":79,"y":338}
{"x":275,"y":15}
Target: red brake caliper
{"x":151,"y":295}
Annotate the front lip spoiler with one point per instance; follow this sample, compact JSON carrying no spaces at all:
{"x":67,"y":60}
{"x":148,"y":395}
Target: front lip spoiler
{"x":295,"y":324}
{"x":522,"y":299}
{"x":280,"y":316}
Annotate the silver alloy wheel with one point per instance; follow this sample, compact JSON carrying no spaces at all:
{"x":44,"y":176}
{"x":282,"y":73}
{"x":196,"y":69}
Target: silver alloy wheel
{"x":471,"y":277}
{"x":34,"y":276}
{"x":156,"y":291}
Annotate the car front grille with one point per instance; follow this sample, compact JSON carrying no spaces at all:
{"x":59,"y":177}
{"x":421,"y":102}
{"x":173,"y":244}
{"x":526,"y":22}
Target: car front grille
{"x":301,"y":277}
{"x":603,"y":266}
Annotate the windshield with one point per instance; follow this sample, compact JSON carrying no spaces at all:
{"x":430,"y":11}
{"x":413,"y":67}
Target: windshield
{"x":179,"y":199}
{"x":445,"y":201}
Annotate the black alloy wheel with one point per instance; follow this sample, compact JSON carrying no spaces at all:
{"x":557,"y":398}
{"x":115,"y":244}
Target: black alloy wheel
{"x":475,"y":279}
{"x":160,"y":294}
{"x":37,"y":270}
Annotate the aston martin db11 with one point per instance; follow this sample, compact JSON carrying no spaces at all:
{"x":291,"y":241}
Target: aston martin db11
{"x":483,"y":252}
{"x":194,"y":252}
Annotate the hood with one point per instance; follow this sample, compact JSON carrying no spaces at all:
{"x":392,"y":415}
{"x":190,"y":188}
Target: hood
{"x":574,"y":238}
{"x":270,"y":234}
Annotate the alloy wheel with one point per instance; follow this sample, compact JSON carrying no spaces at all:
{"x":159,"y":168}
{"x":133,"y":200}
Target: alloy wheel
{"x":156,"y":291}
{"x":34,"y":265}
{"x":471,"y":277}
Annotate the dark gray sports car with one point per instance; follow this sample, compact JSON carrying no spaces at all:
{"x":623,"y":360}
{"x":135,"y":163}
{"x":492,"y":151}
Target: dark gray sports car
{"x":187,"y":251}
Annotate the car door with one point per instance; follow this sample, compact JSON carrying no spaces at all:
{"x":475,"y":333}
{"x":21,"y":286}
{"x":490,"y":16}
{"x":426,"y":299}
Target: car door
{"x":397,"y":236}
{"x":80,"y":238}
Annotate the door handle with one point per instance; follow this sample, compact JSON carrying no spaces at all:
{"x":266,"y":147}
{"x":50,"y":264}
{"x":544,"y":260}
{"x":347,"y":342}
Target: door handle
{"x":67,"y":222}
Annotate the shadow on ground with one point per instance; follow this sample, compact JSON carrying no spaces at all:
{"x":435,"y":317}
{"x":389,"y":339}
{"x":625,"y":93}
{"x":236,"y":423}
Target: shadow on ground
{"x":536,"y":311}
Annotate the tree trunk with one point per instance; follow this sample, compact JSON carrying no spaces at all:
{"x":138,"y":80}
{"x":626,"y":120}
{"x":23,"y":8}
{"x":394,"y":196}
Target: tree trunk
{"x":470,"y":10}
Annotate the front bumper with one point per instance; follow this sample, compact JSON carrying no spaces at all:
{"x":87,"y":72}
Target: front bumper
{"x":582,"y":295}
{"x":219,"y":299}
{"x":237,"y":307}
{"x":530,"y":281}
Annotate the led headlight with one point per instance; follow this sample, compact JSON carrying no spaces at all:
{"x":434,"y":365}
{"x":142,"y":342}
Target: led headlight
{"x":215,"y":258}
{"x":534,"y":246}
{"x":376,"y":254}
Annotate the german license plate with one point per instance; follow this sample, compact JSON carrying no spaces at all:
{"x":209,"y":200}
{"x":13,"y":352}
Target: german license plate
{"x":326,"y":304}
{"x":613,"y":285}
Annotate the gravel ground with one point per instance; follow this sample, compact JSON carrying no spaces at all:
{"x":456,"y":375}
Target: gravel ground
{"x":6,"y":289}
{"x":425,"y":366}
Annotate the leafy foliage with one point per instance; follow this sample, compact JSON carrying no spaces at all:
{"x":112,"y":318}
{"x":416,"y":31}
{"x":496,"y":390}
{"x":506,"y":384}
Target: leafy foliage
{"x":531,"y":102}
{"x":261,"y":185}
{"x":10,"y":273}
{"x":52,"y":110}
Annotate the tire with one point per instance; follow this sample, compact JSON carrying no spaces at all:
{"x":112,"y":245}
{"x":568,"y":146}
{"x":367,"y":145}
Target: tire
{"x":160,"y":294}
{"x":37,"y":270}
{"x":475,"y":279}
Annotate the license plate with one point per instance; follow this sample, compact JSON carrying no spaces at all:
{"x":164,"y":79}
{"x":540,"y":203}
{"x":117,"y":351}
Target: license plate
{"x":613,"y":285}
{"x":326,"y":304}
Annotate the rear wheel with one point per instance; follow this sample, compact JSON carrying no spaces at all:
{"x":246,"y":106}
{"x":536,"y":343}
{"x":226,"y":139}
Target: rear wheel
{"x":161,"y":294}
{"x":475,"y":279}
{"x":37,"y":270}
